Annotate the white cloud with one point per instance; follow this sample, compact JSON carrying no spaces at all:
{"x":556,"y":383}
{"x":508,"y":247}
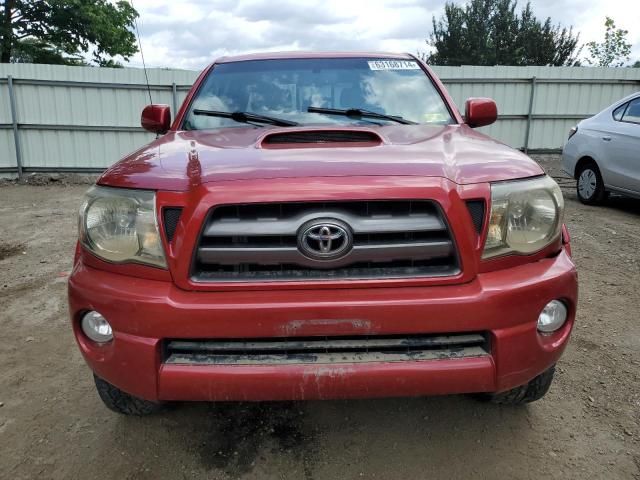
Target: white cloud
{"x":192,"y":33}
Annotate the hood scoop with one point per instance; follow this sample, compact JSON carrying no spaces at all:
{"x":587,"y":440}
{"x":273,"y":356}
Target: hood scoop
{"x":321,"y":138}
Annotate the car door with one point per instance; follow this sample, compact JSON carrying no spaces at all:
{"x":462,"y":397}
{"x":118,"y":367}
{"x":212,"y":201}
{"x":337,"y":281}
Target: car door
{"x":622,"y":144}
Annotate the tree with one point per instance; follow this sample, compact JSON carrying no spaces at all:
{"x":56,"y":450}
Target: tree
{"x":491,"y":32}
{"x":65,"y":31}
{"x":614,"y":51}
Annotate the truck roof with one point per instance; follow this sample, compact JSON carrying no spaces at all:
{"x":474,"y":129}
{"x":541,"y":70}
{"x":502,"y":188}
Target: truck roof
{"x":306,"y":54}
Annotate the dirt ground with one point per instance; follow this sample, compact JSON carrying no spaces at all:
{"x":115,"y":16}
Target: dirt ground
{"x":52,"y":424}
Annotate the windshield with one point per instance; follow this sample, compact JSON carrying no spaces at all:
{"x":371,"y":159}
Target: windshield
{"x":285,"y":89}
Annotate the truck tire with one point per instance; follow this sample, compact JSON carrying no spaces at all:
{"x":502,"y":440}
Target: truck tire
{"x":527,"y":393}
{"x":121,"y":402}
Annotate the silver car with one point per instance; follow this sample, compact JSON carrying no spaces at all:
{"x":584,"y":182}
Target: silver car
{"x":603,"y":152}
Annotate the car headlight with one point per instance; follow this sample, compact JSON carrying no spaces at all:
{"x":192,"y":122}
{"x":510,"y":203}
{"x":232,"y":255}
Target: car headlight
{"x":119,"y":225}
{"x":526,"y":216}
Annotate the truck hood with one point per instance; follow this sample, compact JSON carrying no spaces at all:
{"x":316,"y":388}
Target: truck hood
{"x":180,"y":160}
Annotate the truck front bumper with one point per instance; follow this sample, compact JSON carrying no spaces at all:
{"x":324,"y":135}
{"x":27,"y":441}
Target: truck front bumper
{"x":504,"y":304}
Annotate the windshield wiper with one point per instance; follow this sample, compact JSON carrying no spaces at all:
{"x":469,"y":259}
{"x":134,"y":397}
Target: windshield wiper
{"x":359,"y":113}
{"x":247,"y":117}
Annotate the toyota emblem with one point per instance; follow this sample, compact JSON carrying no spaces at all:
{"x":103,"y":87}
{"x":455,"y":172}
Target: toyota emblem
{"x":325,"y":239}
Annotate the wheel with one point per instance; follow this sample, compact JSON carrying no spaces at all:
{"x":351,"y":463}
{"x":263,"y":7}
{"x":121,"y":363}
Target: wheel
{"x":590,"y":187}
{"x":527,"y":393}
{"x":121,"y":402}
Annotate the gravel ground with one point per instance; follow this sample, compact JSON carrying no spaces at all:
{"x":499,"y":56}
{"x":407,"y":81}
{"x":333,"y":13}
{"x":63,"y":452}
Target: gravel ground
{"x":52,"y":424}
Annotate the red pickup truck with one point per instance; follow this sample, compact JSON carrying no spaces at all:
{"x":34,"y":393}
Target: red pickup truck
{"x":321,"y":225}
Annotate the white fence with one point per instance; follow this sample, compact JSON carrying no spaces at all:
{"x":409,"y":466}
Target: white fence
{"x":57,"y":118}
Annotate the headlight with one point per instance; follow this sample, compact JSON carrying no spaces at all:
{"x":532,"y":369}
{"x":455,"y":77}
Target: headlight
{"x":119,"y":225}
{"x":526,"y":216}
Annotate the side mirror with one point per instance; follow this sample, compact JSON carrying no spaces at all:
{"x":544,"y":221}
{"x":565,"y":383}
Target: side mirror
{"x":156,"y":118}
{"x":479,"y":112}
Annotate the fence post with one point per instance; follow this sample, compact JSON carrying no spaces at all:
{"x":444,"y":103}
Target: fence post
{"x":530,"y":114}
{"x":174,"y":94}
{"x":14,"y":121}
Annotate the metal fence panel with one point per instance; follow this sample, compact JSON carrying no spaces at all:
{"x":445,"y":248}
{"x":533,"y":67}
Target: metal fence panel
{"x":87,"y":118}
{"x":573,"y":92}
{"x":78,"y":150}
{"x":56,"y":105}
{"x":7,"y":149}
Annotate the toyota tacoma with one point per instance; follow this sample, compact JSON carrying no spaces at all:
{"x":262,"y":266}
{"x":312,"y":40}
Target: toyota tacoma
{"x":316,"y":226}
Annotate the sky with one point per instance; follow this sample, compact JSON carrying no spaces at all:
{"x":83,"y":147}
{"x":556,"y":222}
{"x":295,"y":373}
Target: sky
{"x":190,"y":34}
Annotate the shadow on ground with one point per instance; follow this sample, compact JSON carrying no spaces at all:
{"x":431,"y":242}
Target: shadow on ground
{"x":318,"y":439}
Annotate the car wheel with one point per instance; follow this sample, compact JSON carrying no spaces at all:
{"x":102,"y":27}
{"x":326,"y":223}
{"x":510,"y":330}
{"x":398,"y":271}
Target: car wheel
{"x":121,"y":402}
{"x":590,"y":187}
{"x":527,"y":393}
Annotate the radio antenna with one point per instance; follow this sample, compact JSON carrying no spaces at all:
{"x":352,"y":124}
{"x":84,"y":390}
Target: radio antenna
{"x":144,"y":66}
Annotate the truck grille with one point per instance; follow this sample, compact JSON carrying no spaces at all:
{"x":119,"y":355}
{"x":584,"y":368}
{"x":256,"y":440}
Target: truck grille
{"x":284,"y":241}
{"x":359,"y":349}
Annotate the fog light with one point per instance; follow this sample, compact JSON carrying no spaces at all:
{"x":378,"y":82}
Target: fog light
{"x":552,"y":317}
{"x":96,"y":327}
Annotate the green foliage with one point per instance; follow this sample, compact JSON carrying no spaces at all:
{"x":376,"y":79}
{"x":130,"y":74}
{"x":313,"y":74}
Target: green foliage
{"x":64,"y":31}
{"x":492,"y":32}
{"x":613,"y":51}
{"x":30,"y":50}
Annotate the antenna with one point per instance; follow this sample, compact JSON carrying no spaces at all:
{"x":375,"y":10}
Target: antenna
{"x":144,"y":66}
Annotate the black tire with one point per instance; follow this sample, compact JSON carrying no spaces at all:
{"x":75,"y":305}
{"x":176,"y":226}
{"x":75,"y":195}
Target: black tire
{"x":121,"y":402}
{"x":594,"y":193}
{"x":527,"y":393}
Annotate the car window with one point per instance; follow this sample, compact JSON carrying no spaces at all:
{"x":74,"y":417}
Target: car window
{"x":618,"y":112}
{"x":286,"y":88}
{"x":632,"y":113}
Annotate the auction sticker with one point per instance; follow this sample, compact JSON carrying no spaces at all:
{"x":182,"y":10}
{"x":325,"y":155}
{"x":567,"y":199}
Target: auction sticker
{"x":393,"y":65}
